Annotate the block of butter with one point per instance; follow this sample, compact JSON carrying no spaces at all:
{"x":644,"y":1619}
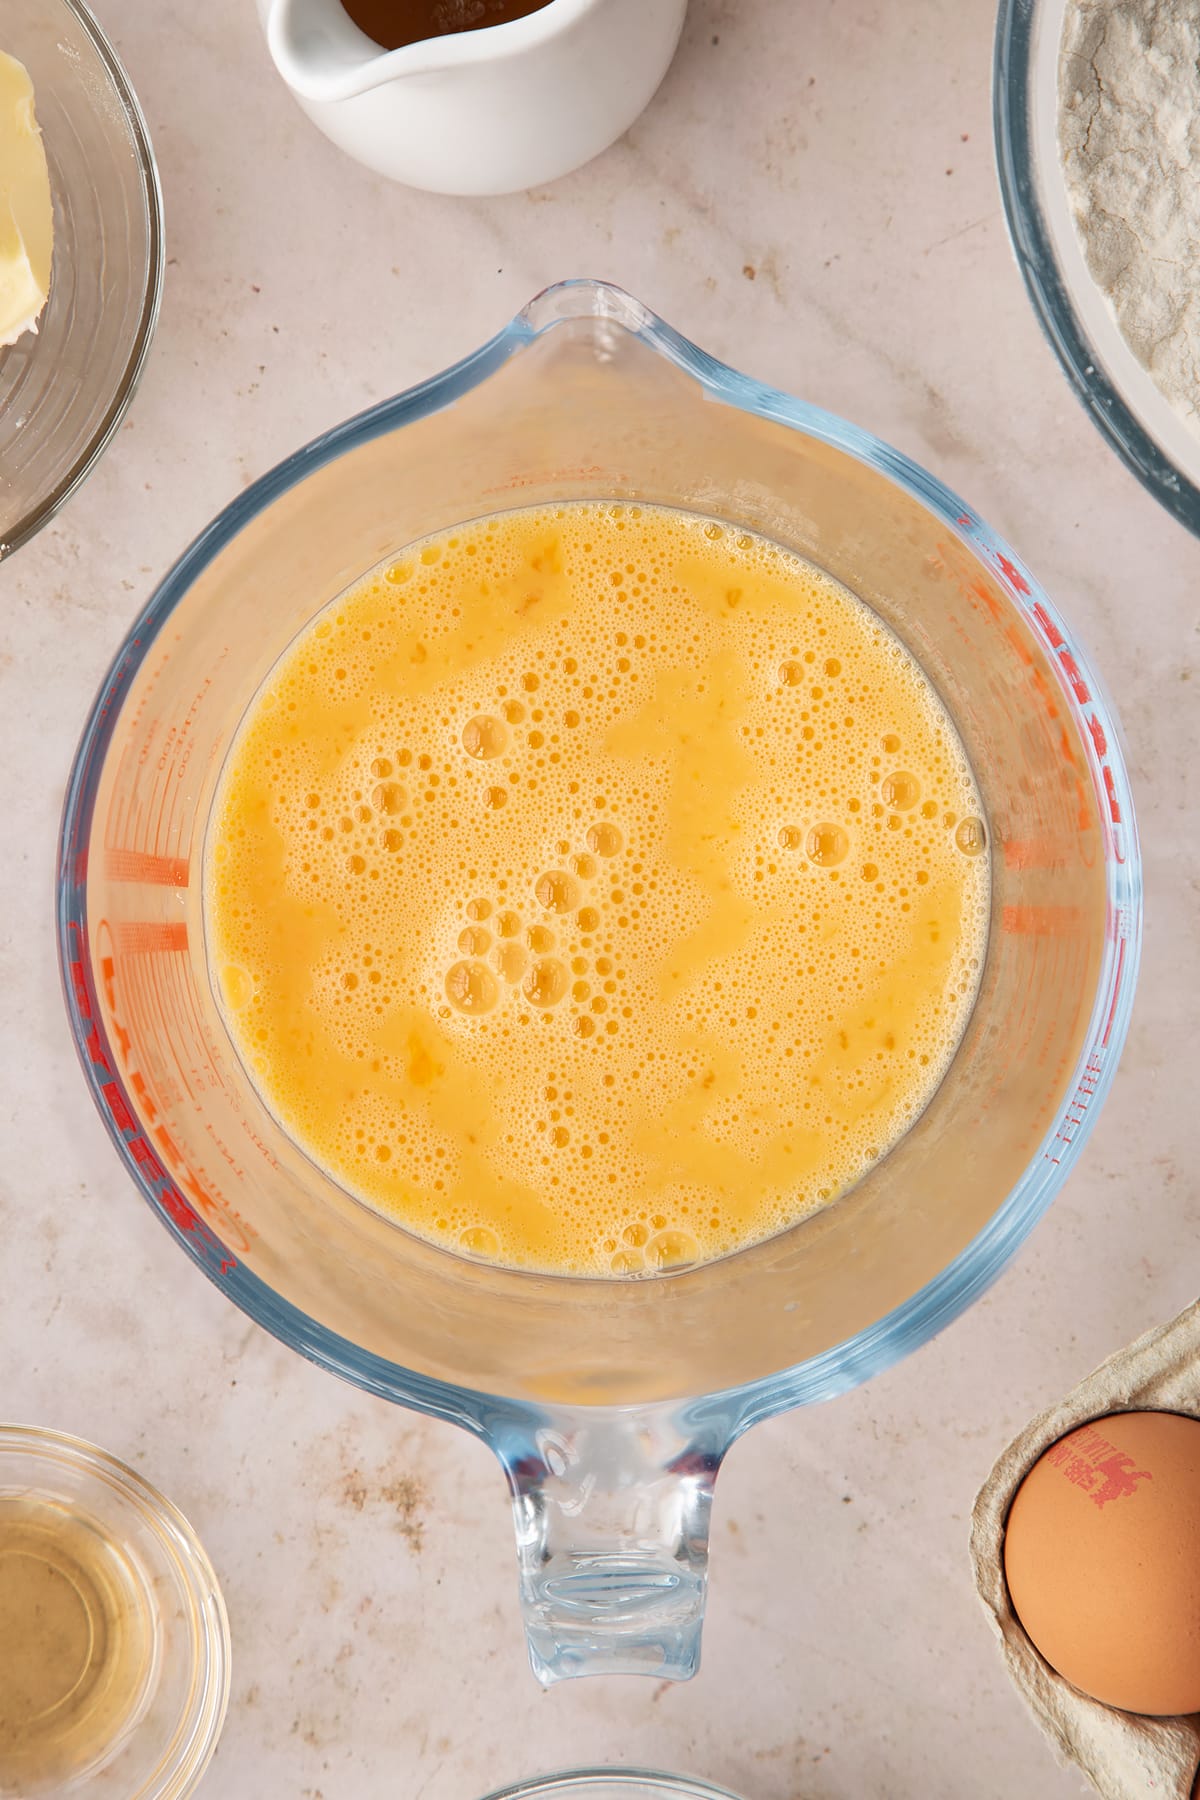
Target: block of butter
{"x":26,"y":209}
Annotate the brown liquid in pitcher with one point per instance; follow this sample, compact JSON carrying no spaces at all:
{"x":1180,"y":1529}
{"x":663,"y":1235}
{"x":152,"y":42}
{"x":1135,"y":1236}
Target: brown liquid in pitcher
{"x":393,"y":23}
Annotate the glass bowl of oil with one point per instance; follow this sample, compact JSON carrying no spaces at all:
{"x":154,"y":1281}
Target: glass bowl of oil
{"x":114,"y":1643}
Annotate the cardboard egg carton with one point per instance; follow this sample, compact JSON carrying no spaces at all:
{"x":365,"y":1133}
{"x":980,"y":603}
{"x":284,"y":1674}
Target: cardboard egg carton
{"x":1124,"y":1755}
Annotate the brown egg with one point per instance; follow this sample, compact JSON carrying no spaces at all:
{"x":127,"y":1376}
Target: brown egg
{"x":1102,"y":1557}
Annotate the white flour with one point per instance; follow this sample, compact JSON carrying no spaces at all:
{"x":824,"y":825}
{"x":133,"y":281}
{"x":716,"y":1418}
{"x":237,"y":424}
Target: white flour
{"x":1129,"y":136}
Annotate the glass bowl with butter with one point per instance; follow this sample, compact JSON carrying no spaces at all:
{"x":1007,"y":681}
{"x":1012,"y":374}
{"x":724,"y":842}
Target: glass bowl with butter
{"x":66,"y":381}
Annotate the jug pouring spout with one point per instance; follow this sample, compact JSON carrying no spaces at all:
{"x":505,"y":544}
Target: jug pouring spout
{"x":322,"y":55}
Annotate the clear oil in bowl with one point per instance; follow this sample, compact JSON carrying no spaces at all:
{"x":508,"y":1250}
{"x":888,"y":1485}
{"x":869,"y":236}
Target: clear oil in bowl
{"x":114,"y":1643}
{"x":76,"y":1644}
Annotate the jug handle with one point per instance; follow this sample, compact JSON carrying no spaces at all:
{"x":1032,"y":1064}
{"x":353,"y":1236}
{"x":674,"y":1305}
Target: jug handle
{"x":611,"y":1507}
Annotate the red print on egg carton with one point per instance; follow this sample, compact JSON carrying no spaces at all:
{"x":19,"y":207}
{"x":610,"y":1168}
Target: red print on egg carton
{"x":1090,"y":1461}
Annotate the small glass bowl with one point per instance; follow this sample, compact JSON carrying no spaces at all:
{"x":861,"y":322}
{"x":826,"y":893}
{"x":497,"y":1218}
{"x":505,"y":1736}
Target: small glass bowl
{"x":612,"y":1784}
{"x":124,"y":1692}
{"x":64,"y":389}
{"x":1151,"y":438}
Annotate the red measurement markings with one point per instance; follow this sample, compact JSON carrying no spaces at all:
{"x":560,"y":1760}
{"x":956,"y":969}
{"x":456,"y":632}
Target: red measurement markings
{"x":168,"y":1196}
{"x":1077,"y":1112}
{"x":1070,"y":667}
{"x":578,"y":472}
{"x":145,"y":1099}
{"x":228,"y":1221}
{"x":1047,"y":694}
{"x":170,"y":987}
{"x":133,"y":1017}
{"x":128,"y":999}
{"x":141,"y":987}
{"x":178,"y":747}
{"x":141,"y":865}
{"x":113,"y":691}
{"x":1122,"y":947}
{"x":1110,"y":788}
{"x":174,"y":995}
{"x":153,"y":973}
{"x":1033,"y":853}
{"x":1035,"y":1041}
{"x":1051,"y":1049}
{"x":1012,"y":574}
{"x":114,"y":822}
{"x":1071,"y":670}
{"x":155,"y":805}
{"x":115,"y":1100}
{"x":167,"y":814}
{"x":184,"y":1210}
{"x":1050,"y":631}
{"x":190,"y":995}
{"x":1073,"y":952}
{"x":1041,"y":921}
{"x":150,"y":803}
{"x":92,"y":1042}
{"x":1082,"y":693}
{"x":1021,"y":1027}
{"x":950,"y":559}
{"x":135,"y":1002}
{"x":142,"y":937}
{"x":166,"y":811}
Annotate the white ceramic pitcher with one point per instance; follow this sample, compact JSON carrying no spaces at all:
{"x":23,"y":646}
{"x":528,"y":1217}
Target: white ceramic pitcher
{"x":477,"y":112}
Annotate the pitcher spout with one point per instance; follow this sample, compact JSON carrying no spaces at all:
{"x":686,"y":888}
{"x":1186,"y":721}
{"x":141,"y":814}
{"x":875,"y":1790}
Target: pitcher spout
{"x":321,"y":53}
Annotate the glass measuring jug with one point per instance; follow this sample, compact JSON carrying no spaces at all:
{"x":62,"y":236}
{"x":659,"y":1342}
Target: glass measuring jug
{"x":610,"y":1403}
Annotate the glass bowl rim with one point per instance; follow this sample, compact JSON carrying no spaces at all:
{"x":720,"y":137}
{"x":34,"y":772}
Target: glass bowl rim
{"x":983,"y":1259}
{"x":684,"y":1787}
{"x":44,"y":508}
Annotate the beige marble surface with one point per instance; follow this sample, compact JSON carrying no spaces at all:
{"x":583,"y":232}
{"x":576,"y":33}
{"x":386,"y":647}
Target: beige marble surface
{"x":812,"y":197}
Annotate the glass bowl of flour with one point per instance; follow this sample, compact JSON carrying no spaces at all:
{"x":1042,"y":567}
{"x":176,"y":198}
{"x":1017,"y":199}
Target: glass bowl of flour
{"x":1097,"y":118}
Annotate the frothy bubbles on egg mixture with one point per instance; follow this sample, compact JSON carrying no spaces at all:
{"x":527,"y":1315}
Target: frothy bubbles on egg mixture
{"x":597,"y":889}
